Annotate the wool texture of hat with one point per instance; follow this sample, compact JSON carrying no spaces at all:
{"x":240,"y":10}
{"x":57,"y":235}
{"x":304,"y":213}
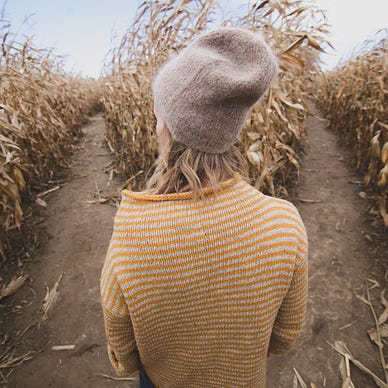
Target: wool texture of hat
{"x":205,"y":92}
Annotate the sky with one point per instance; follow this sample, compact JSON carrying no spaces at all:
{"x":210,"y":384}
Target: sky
{"x":85,"y":30}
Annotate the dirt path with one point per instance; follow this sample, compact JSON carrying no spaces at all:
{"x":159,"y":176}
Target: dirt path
{"x":341,"y":258}
{"x":77,"y":234}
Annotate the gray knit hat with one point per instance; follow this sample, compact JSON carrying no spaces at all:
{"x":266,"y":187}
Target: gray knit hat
{"x":206,"y":91}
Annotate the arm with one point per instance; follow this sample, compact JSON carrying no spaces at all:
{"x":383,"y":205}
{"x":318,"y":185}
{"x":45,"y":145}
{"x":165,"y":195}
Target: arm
{"x":290,"y":318}
{"x":122,"y":349}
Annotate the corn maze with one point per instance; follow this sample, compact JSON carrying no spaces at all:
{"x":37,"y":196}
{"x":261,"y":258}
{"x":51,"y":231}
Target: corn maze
{"x":70,"y":144}
{"x":42,"y":107}
{"x":355,"y":99}
{"x":41,"y":110}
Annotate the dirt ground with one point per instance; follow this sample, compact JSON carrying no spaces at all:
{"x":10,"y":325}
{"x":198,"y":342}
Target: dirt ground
{"x":347,"y":246}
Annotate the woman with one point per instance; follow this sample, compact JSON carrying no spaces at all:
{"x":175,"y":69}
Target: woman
{"x":205,"y":276}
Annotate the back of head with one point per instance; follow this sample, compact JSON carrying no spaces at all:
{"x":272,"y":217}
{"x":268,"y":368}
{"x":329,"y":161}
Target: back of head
{"x":206,"y":92}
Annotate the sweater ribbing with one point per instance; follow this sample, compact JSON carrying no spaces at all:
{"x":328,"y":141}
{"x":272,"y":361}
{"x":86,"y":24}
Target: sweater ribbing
{"x":198,"y":290}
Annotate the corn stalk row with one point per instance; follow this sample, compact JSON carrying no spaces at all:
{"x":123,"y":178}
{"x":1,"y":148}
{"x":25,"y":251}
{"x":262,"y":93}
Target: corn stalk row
{"x":296,"y":30}
{"x":41,"y":108}
{"x":354,"y":98}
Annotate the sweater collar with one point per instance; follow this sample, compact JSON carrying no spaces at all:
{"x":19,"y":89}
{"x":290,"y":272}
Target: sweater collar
{"x":143,"y":196}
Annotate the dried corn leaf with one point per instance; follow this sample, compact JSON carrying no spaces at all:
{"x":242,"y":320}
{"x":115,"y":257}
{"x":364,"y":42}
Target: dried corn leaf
{"x":50,"y":298}
{"x":114,"y":378}
{"x":384,"y":315}
{"x":383,"y":208}
{"x":10,"y":361}
{"x":44,"y":193}
{"x":295,"y":382}
{"x":41,"y":202}
{"x":13,"y":286}
{"x":345,"y":373}
{"x":301,"y":382}
{"x":373,"y":333}
{"x":341,"y":348}
{"x":63,"y":347}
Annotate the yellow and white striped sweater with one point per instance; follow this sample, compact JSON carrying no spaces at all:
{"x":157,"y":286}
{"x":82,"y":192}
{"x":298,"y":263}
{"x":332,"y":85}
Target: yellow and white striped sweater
{"x":198,"y":291}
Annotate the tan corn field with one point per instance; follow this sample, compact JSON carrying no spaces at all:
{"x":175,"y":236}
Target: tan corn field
{"x":275,"y":130}
{"x":355,"y":100}
{"x":40,"y":110}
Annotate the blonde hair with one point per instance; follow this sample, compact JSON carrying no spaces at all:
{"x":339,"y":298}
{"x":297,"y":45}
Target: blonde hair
{"x":180,"y":169}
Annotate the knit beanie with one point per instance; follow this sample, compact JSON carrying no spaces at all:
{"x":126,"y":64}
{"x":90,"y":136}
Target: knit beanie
{"x":205,"y":93}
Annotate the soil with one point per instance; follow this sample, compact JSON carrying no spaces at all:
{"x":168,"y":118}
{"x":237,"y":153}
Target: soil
{"x":347,"y":246}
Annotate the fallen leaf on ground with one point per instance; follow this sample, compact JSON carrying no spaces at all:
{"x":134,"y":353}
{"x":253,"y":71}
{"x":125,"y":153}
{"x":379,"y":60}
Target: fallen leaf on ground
{"x":348,"y":325}
{"x":341,"y":348}
{"x":13,"y":286}
{"x":299,"y":378}
{"x":43,"y":193}
{"x":307,"y":200}
{"x":375,"y":283}
{"x":345,"y":372}
{"x":41,"y":202}
{"x":117,"y":378}
{"x":63,"y":347}
{"x":10,"y":362}
{"x":373,"y":333}
{"x":384,"y":315}
{"x":50,"y":298}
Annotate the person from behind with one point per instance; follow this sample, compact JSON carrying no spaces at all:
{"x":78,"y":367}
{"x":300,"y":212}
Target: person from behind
{"x":205,"y":276}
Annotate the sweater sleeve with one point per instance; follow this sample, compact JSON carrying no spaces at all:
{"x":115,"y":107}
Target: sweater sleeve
{"x":290,"y":317}
{"x":122,"y":350}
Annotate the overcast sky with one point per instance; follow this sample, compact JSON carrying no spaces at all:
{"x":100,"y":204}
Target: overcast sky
{"x":83,"y":29}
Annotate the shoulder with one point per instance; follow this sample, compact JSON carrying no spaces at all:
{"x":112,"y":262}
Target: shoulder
{"x":282,"y":212}
{"x":127,"y":214}
{"x":285,"y":206}
{"x":285,"y":216}
{"x":274,"y":205}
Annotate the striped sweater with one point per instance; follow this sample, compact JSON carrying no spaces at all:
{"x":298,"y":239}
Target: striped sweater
{"x":198,"y":291}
